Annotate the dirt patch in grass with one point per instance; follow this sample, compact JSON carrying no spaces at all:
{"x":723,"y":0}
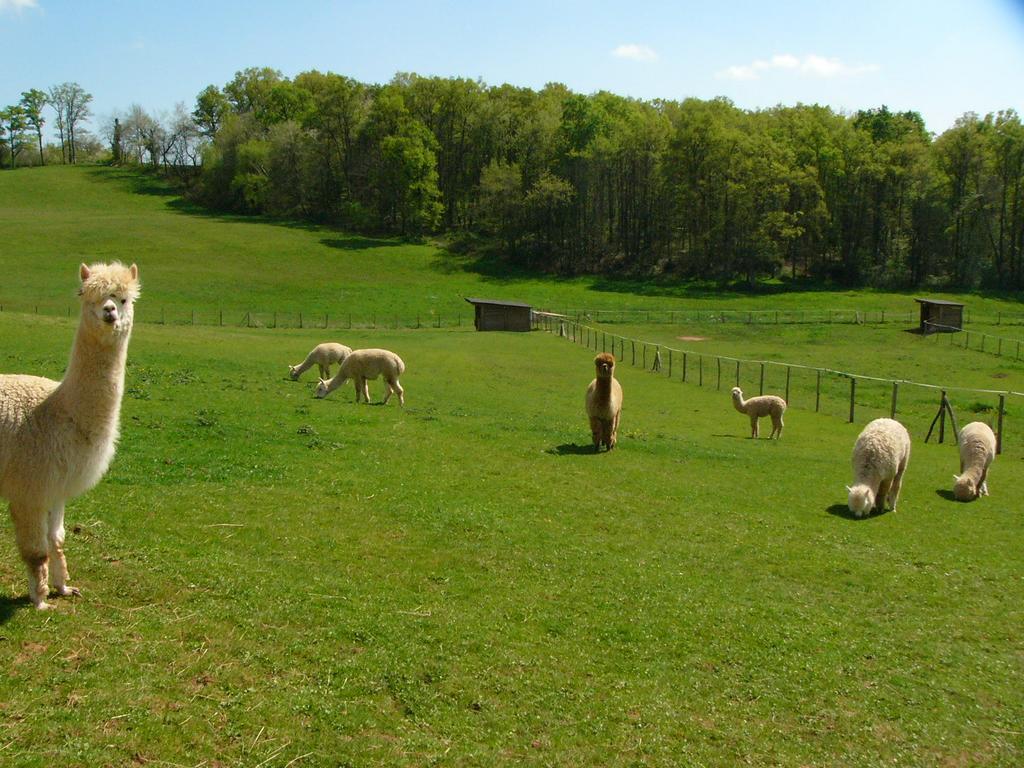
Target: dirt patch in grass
{"x":692,"y":338}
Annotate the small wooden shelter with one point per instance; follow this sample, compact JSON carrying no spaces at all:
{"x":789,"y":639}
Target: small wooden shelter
{"x":492,"y":315}
{"x":939,"y":316}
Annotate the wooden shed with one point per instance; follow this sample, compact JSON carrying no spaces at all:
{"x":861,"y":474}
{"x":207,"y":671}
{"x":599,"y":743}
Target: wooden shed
{"x":493,"y":315}
{"x":939,"y":316}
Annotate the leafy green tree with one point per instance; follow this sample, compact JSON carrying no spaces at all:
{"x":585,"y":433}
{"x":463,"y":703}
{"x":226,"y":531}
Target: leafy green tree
{"x":211,"y":106}
{"x":14,"y":123}
{"x":32,"y":103}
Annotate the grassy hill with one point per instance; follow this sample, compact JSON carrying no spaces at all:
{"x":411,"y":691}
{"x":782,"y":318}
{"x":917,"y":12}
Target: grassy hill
{"x":274,"y":580}
{"x":194,"y":262}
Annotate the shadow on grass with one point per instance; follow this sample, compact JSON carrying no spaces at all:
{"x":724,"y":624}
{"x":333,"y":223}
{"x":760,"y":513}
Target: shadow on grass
{"x":843,"y":511}
{"x":8,"y":605}
{"x":356,"y":243}
{"x":947,"y":494}
{"x":572,"y":449}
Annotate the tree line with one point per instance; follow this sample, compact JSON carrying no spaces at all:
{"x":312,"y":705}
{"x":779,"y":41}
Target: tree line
{"x":557,"y":181}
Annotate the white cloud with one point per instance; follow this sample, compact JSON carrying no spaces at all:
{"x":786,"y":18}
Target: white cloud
{"x":810,"y":65}
{"x":634,"y":52}
{"x":16,"y":5}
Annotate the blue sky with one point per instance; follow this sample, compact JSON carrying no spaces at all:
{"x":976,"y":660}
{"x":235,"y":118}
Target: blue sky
{"x":939,"y":58}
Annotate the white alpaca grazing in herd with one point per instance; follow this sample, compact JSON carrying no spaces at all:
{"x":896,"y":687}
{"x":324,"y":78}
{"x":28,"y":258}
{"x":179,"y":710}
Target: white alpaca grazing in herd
{"x":977,"y":451}
{"x":756,"y":407}
{"x":363,"y":365}
{"x":58,"y":438}
{"x":322,"y":355}
{"x":880,"y":458}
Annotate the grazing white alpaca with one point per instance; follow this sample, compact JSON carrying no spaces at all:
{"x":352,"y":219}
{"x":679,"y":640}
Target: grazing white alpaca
{"x":363,"y":365}
{"x":880,"y":457}
{"x":977,"y":451}
{"x":57,"y":439}
{"x":756,"y":407}
{"x":322,"y":355}
{"x":604,"y":403}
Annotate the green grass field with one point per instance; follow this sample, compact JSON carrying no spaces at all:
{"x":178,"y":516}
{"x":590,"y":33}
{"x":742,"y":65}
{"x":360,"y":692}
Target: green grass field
{"x":274,"y":580}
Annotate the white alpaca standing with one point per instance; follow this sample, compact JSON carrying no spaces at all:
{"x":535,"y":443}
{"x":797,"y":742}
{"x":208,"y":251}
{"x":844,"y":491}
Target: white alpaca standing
{"x":57,"y":439}
{"x":323,"y":356}
{"x":977,"y":451}
{"x":756,"y":407}
{"x":880,"y":457}
{"x":363,"y":365}
{"x":604,"y":403}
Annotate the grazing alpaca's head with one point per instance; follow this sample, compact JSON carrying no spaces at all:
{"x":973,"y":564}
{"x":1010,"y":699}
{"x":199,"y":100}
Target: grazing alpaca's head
{"x":964,"y":488}
{"x":108,"y":296}
{"x":605,"y":364}
{"x":321,"y":388}
{"x":861,"y":499}
{"x":294,"y":372}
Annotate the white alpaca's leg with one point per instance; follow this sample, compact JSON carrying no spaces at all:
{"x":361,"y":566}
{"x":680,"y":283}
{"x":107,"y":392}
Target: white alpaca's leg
{"x":397,"y":388}
{"x":897,"y":484}
{"x":357,"y":383}
{"x":30,"y":533}
{"x":325,"y":371}
{"x":58,"y":564}
{"x":615,"y":432}
{"x":777,"y":427}
{"x":882,"y":497}
{"x":366,"y":388}
{"x":983,"y":483}
{"x":753,"y":426}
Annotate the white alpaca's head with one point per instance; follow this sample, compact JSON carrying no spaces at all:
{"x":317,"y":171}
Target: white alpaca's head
{"x":321,"y":388}
{"x":737,"y":395}
{"x":108,"y":296}
{"x":964,"y":488}
{"x":293,"y":371}
{"x":861,"y":499}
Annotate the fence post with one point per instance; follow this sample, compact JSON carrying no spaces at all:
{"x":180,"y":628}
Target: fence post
{"x":737,"y":373}
{"x":999,"y":434}
{"x":895,"y":392}
{"x":789,"y":372}
{"x":761,"y":385}
{"x":817,"y":394}
{"x":632,"y":344}
{"x":684,"y":367}
{"x":300,"y":319}
{"x":700,"y":371}
{"x":220,"y":320}
{"x":670,"y":362}
{"x":853,"y":395}
{"x":942,"y":417}
{"x":718,"y":386}
{"x":645,"y":357}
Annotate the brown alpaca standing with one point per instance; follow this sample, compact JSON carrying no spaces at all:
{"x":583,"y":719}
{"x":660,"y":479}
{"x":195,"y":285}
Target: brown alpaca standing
{"x":58,"y":438}
{"x":604,"y":403}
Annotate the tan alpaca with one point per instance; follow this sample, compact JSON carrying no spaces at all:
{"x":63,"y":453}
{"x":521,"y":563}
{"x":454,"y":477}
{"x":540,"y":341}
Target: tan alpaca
{"x":363,"y":365}
{"x":756,"y":407}
{"x":323,"y":356}
{"x":57,"y":439}
{"x":604,"y":403}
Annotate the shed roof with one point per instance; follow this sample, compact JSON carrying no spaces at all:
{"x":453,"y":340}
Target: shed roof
{"x":943,"y":302}
{"x":498,"y":303}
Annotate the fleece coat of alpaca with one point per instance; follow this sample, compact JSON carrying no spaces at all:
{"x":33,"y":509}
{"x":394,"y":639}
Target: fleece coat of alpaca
{"x":57,"y":439}
{"x":604,"y":403}
{"x":880,"y":457}
{"x":977,"y":451}
{"x":363,"y":365}
{"x":323,"y":356}
{"x":756,"y":407}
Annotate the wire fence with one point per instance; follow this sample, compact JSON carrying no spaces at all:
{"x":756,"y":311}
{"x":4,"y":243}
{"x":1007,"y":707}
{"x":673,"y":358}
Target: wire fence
{"x":431,"y":318}
{"x":1002,"y":346}
{"x":769,"y":316}
{"x":854,"y":397}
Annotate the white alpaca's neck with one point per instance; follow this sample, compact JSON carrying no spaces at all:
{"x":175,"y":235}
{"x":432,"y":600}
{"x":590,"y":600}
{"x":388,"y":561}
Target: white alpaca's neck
{"x":739,"y":403}
{"x":93,"y":386}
